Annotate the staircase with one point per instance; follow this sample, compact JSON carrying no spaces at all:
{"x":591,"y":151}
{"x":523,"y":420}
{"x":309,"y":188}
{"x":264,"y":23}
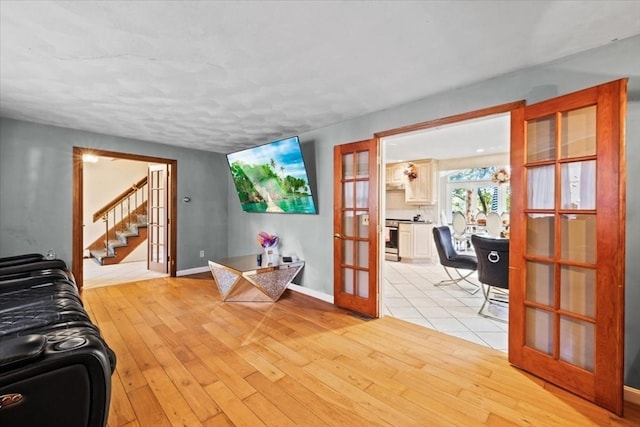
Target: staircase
{"x":125,"y":227}
{"x":127,"y":237}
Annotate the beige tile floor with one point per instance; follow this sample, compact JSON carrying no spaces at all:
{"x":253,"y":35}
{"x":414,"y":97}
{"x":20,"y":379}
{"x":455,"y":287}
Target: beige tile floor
{"x":410,"y":294}
{"x":95,"y":275}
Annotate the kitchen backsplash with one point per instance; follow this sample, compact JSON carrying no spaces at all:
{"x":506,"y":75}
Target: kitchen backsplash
{"x":396,"y":208}
{"x":427,"y":213}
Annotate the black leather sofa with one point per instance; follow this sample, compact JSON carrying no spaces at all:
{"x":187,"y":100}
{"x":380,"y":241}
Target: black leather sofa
{"x":55,"y":367}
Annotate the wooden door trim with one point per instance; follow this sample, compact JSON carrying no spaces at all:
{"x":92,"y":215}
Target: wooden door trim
{"x":516,"y":228}
{"x":612,"y":96}
{"x":77,"y":242}
{"x":475,"y":114}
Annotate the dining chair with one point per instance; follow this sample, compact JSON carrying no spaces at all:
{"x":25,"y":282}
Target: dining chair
{"x":494,"y":224}
{"x":450,"y":259}
{"x":460,"y":234}
{"x":492,"y":256}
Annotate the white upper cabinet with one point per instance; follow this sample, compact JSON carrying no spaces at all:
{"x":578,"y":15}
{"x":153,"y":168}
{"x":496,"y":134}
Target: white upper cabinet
{"x":395,"y":175}
{"x":422,"y":190}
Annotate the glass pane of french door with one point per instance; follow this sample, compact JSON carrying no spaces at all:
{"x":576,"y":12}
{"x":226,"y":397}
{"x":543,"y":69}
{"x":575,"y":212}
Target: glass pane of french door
{"x":355,"y":190}
{"x":561,"y":240}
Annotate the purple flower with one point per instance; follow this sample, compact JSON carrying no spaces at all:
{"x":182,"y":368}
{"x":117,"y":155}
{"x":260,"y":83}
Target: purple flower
{"x":267,"y":240}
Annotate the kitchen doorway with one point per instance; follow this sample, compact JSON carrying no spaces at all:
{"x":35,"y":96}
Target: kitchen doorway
{"x":408,"y":290}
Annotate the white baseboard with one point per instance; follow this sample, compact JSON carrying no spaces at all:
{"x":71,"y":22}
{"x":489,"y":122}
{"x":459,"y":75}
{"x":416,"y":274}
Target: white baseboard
{"x":632,"y":395}
{"x":195,"y":270}
{"x":310,"y":292}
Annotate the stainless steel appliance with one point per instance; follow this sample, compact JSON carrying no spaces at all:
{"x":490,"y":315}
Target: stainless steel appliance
{"x":391,"y":250}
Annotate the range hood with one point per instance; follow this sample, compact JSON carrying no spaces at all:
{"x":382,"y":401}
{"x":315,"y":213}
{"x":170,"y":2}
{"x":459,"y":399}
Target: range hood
{"x":394,"y":187}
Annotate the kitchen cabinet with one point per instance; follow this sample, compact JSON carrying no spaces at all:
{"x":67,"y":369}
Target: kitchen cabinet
{"x":395,"y":175}
{"x":423,"y":189}
{"x":415,"y":242}
{"x":405,"y":241}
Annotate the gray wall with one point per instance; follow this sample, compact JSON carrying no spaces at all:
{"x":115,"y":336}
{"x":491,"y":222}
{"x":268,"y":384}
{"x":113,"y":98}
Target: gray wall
{"x":36,"y":191}
{"x":35,"y":177}
{"x":632,"y":294}
{"x":311,"y":236}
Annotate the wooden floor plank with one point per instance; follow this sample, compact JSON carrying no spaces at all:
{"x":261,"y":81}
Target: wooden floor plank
{"x":267,"y":411}
{"x":364,"y":402}
{"x":261,"y":364}
{"x":227,"y":375}
{"x":297,"y":402}
{"x":174,"y":405}
{"x":120,"y":410}
{"x":233,"y":407}
{"x":187,"y":385}
{"x":185,"y":357}
{"x":149,"y":411}
{"x":419,"y":413}
{"x":332,"y":392}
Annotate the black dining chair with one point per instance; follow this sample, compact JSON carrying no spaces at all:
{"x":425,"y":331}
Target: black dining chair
{"x":493,"y":272}
{"x":450,"y":259}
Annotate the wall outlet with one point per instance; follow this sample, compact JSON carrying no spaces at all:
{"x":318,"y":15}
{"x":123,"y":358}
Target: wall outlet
{"x":201,"y":254}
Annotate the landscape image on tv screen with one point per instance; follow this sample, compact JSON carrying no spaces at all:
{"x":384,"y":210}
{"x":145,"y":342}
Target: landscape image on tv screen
{"x":272,"y":178}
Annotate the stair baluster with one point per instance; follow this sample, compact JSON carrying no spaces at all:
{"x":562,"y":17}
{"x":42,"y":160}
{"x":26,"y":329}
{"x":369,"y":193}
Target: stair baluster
{"x":128,"y":213}
{"x":121,"y":217}
{"x":106,"y":233}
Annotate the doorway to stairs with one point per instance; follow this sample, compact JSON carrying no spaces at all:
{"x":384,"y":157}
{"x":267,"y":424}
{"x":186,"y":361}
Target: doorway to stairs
{"x":156,"y":233}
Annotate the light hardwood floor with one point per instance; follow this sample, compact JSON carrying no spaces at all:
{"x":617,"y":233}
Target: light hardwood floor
{"x":185,"y":358}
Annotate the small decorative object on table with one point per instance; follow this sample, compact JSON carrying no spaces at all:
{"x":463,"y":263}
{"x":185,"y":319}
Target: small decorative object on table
{"x":269,"y":243}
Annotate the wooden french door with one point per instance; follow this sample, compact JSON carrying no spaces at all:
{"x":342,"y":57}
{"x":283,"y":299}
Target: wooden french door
{"x":567,"y":251}
{"x":355,"y":222}
{"x":158,"y":230}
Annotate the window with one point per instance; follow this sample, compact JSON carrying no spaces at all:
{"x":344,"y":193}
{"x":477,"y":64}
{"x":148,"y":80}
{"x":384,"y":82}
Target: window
{"x":478,"y":190}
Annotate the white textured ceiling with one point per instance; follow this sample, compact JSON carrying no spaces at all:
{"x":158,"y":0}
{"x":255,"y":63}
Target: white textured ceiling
{"x":221,"y":76}
{"x":470,"y":138}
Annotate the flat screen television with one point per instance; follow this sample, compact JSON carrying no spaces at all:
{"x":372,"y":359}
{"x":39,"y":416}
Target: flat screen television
{"x":272,"y":178}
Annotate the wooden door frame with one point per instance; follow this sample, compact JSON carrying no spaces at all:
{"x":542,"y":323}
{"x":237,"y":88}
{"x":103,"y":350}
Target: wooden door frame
{"x":475,"y":114}
{"x":77,"y":239}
